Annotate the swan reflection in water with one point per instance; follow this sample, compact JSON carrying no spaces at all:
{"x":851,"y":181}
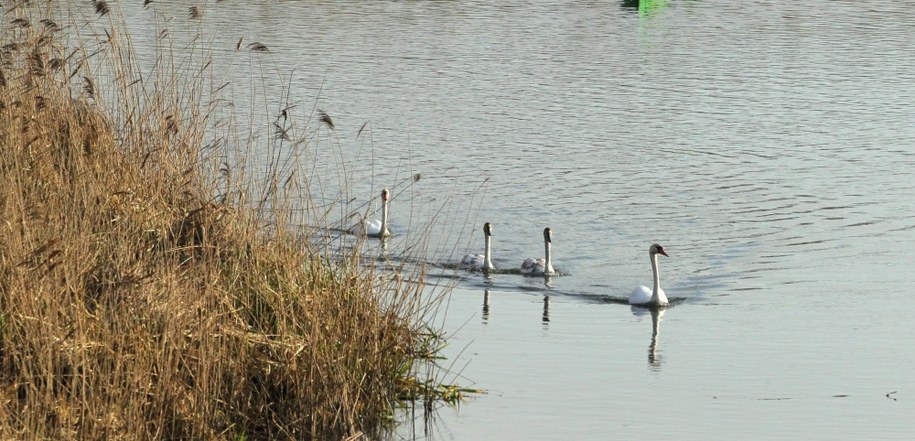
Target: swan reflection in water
{"x":547,"y":279}
{"x":545,"y":318}
{"x":654,"y":357}
{"x":546,"y":310}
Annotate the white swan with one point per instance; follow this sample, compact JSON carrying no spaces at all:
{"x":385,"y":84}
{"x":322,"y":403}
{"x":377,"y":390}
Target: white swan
{"x":642,"y":295}
{"x":375,"y":227}
{"x":542,"y":266}
{"x":480,"y":262}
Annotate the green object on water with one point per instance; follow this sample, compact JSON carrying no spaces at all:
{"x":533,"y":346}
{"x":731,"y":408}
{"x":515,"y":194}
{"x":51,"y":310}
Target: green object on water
{"x":649,"y":6}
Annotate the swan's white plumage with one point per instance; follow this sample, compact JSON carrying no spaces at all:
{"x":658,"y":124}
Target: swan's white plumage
{"x":373,"y":227}
{"x":540,"y":266}
{"x":642,"y":295}
{"x":376,"y":227}
{"x":480,"y":262}
{"x":655,"y":296}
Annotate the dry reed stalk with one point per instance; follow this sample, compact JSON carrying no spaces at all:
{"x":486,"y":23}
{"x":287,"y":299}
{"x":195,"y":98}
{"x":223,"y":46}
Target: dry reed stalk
{"x":135,"y":305}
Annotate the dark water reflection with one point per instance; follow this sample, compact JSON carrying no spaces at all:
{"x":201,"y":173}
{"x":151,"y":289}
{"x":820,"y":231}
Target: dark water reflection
{"x":546,"y":310}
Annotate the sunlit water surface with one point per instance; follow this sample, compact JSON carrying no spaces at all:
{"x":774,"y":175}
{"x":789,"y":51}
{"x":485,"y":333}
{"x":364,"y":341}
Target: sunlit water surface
{"x":769,"y":146}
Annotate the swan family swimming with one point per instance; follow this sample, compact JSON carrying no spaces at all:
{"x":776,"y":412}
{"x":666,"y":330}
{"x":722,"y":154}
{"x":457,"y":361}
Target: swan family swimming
{"x":543,"y":266}
{"x":531,"y":266}
{"x":536,"y":266}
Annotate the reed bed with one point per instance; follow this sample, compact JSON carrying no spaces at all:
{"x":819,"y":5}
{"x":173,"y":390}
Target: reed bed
{"x":142,"y":297}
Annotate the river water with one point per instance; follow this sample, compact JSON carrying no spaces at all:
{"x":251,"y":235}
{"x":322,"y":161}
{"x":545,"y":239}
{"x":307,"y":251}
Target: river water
{"x":769,"y":146}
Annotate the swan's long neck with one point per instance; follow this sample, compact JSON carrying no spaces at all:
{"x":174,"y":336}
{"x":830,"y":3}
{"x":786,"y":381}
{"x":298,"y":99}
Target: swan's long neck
{"x":546,"y":253}
{"x":384,"y":218}
{"x":656,"y":290}
{"x":487,"y":255}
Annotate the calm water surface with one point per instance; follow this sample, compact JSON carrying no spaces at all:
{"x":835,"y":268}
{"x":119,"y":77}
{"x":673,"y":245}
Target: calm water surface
{"x":768,"y":145}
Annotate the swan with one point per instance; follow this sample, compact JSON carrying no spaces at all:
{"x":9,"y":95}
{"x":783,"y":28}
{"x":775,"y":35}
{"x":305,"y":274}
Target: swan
{"x":478,"y":262}
{"x":651,"y":297}
{"x":375,"y":227}
{"x":543,"y":266}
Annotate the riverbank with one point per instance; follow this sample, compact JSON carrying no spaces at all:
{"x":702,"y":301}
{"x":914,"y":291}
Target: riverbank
{"x":143,"y":298}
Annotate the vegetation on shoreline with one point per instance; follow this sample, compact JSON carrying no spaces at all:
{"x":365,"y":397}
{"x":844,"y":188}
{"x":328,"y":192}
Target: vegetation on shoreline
{"x":137,"y":304}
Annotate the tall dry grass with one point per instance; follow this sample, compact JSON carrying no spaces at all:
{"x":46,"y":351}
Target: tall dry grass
{"x":134,"y":304}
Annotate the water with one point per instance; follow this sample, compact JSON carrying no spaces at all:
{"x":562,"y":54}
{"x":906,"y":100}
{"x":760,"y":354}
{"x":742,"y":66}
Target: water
{"x":769,"y":147}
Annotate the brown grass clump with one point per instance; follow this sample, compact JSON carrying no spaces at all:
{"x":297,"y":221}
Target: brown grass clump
{"x":135,"y":305}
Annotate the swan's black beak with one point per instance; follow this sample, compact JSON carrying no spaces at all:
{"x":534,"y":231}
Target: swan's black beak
{"x":661,"y":251}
